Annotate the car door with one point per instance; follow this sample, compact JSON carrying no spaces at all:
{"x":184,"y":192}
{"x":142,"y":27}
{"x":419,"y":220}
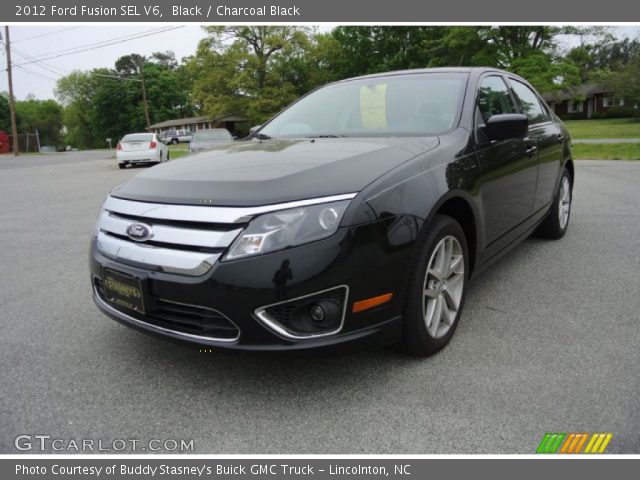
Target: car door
{"x":548,"y":138}
{"x":508,"y":168}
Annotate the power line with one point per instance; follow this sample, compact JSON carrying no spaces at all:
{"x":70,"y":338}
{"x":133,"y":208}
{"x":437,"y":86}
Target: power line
{"x":44,"y":66}
{"x":61,"y":53}
{"x":44,"y":34}
{"x":37,"y":73}
{"x":120,"y":37}
{"x":61,"y":72}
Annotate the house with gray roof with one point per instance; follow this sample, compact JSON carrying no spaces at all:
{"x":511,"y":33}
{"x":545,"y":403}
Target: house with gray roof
{"x":233,"y":123}
{"x":584,"y":100}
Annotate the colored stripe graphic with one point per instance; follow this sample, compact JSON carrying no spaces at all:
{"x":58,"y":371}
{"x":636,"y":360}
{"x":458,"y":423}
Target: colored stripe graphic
{"x":598,"y":443}
{"x":550,"y":442}
{"x":572,"y":443}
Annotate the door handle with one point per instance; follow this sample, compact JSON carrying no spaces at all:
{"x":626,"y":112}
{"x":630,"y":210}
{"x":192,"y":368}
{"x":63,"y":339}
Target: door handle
{"x":560,"y":138}
{"x":531,"y":150}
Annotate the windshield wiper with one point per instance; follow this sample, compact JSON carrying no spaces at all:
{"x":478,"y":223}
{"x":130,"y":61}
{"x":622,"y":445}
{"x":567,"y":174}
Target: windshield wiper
{"x":261,"y":136}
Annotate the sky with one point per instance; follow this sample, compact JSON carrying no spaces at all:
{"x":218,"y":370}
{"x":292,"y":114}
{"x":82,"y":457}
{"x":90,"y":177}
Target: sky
{"x":40,"y":78}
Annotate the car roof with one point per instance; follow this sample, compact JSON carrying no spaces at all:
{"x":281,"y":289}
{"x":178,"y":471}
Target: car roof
{"x":476,"y":70}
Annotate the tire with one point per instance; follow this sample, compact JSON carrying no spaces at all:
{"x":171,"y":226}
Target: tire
{"x":174,"y":141}
{"x":122,"y":166}
{"x":555,"y":225}
{"x":424,"y":332}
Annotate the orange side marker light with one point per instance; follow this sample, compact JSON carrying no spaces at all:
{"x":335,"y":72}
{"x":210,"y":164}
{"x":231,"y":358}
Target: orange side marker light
{"x":371,"y":302}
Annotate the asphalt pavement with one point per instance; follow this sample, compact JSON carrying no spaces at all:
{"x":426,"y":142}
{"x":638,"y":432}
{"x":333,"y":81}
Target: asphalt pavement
{"x":549,"y":342}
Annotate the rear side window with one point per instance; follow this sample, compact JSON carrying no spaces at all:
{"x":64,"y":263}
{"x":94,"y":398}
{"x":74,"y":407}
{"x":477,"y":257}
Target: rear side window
{"x":494,"y":98}
{"x":530,"y":104}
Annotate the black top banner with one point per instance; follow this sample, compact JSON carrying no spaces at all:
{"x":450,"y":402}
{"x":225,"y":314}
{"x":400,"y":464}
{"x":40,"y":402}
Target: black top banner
{"x":297,"y":11}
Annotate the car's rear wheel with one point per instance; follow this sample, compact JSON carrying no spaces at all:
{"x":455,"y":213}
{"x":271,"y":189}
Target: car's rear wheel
{"x":557,"y":221}
{"x":122,"y":165}
{"x":174,"y":141}
{"x":437,"y":288}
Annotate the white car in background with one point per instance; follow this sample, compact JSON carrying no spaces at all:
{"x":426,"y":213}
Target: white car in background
{"x":141,"y":148}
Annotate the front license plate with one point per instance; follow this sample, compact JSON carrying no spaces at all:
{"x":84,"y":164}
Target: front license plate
{"x":123,"y":290}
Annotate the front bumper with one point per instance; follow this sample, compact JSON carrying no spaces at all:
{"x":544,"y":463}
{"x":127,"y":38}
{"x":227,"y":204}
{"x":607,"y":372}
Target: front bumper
{"x":367,"y":259}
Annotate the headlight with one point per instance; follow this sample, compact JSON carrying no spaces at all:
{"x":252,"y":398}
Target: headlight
{"x":288,"y":228}
{"x":96,"y":227}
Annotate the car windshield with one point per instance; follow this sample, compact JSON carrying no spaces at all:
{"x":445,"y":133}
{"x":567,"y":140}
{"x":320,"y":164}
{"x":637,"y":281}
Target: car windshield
{"x":220,"y":134}
{"x":400,"y":105}
{"x":138,"y":137}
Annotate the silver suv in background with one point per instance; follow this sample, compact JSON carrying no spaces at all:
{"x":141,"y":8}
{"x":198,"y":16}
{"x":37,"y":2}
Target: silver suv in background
{"x":174,"y":137}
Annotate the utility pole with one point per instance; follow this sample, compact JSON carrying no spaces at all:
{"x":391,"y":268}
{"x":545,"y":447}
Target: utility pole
{"x":144,"y":92}
{"x":12,"y":104}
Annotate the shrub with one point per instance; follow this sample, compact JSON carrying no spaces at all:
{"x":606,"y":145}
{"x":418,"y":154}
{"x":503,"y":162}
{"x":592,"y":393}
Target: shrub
{"x":618,"y":112}
{"x":573,"y":116}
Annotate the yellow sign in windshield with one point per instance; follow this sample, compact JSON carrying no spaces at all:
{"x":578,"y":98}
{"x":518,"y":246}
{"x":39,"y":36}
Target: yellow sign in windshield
{"x":373,"y":106}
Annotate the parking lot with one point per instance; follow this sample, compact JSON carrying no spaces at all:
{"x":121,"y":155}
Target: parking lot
{"x":549,"y":342}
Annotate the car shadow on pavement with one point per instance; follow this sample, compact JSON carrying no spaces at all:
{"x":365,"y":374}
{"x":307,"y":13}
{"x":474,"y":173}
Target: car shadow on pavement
{"x":192,"y":366}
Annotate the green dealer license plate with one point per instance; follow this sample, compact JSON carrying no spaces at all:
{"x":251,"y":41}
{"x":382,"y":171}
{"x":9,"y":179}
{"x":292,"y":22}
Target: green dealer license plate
{"x":123,"y":290}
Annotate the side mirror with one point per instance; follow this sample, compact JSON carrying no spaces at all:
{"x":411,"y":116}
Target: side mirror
{"x":254,"y":129}
{"x":506,"y":125}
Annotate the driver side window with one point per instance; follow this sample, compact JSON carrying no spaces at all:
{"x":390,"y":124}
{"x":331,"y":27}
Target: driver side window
{"x":494,"y":98}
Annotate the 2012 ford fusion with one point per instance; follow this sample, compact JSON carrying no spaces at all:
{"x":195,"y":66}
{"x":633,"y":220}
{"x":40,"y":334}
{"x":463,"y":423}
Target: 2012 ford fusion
{"x":357,"y":216}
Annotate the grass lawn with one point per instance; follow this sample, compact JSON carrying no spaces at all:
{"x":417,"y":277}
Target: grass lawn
{"x":179,"y":150}
{"x":604,"y":128}
{"x":606,"y":151}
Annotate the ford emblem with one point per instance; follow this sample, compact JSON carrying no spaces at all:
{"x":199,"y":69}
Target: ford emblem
{"x":139,"y":232}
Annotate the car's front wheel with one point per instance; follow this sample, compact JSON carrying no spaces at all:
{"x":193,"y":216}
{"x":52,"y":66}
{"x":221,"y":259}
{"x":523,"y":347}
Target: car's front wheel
{"x":437,"y":288}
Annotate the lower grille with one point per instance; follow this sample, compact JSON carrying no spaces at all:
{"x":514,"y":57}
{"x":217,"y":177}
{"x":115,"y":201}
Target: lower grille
{"x":181,"y":318}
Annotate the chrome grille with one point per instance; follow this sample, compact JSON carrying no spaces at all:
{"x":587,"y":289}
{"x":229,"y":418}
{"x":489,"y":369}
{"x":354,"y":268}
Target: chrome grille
{"x":186,"y":240}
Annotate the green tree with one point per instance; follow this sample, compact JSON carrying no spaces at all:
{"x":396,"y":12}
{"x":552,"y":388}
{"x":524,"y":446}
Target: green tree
{"x":529,"y":50}
{"x":107,"y":103}
{"x":5,"y":119}
{"x":624,"y":81}
{"x":76,"y":92}
{"x":43,"y":116}
{"x":252,"y":70}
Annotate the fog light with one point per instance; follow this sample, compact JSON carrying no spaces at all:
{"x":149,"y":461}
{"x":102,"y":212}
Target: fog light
{"x":317,"y":313}
{"x":320,"y":313}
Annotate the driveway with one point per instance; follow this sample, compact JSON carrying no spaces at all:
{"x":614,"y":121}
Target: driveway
{"x":605,"y":140}
{"x":549,"y":342}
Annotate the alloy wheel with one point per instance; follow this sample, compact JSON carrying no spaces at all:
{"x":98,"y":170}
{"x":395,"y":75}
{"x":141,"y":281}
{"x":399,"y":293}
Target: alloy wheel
{"x":443,"y":286}
{"x":564,"y":202}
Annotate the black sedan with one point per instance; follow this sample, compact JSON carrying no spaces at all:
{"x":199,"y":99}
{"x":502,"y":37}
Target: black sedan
{"x":356,"y":216}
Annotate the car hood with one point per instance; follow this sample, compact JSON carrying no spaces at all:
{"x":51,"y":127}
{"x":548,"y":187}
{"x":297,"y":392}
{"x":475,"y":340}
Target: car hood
{"x":266,"y":172}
